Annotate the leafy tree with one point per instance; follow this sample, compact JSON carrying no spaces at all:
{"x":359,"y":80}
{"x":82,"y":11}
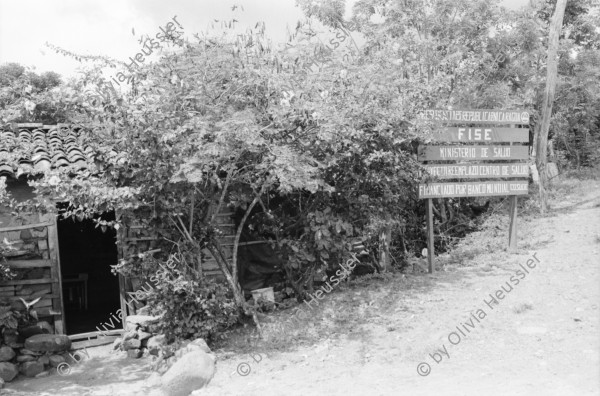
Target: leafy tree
{"x":10,"y":72}
{"x":44,"y":81}
{"x":217,"y":124}
{"x":576,"y":123}
{"x":27,"y":97}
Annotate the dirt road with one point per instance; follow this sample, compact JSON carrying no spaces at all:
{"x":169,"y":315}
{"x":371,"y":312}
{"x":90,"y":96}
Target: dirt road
{"x":540,"y":338}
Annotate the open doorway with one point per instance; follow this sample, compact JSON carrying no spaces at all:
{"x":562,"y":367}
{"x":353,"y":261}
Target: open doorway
{"x":90,"y":289}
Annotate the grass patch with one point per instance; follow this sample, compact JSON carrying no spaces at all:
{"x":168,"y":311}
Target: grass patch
{"x":522,"y":308}
{"x":490,"y":239}
{"x":535,"y":244}
{"x":583,"y":173}
{"x":342,"y":312}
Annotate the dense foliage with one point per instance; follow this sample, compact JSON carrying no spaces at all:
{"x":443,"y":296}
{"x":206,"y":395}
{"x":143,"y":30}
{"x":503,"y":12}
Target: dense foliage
{"x":5,"y":245}
{"x":312,"y":143}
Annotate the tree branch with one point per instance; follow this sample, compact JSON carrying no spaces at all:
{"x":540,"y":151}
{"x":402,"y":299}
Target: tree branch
{"x":238,"y":234}
{"x":222,"y":197}
{"x":192,"y":210}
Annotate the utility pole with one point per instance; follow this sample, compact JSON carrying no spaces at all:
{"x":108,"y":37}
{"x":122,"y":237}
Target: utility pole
{"x":551,"y":66}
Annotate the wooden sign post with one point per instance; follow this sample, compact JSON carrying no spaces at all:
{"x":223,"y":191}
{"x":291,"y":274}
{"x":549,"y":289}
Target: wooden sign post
{"x":492,"y":141}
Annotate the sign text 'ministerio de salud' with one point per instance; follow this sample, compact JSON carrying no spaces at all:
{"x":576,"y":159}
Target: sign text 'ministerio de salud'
{"x":446,"y":153}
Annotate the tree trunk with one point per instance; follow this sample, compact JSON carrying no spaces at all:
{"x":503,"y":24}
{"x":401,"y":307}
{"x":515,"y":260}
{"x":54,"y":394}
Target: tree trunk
{"x":552,"y":64}
{"x":215,"y":249}
{"x":238,"y":234}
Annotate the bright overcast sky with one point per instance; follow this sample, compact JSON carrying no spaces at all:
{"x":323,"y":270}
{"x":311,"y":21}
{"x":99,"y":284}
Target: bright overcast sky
{"x":104,"y":27}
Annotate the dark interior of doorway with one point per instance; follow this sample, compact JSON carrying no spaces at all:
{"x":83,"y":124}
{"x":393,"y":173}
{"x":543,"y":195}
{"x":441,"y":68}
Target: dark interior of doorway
{"x":86,"y":254}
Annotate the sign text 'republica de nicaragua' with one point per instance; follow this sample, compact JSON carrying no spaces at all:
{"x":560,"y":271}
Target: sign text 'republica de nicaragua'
{"x":479,"y":116}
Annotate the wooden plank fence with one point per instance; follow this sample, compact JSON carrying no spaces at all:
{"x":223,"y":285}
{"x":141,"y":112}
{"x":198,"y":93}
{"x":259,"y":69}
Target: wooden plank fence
{"x":36,"y":262}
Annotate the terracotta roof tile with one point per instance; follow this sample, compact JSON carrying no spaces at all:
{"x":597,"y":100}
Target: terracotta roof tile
{"x":35,"y":148}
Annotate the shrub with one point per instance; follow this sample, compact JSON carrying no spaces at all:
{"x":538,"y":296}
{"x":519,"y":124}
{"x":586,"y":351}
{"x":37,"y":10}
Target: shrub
{"x":191,"y":306}
{"x":5,"y":272}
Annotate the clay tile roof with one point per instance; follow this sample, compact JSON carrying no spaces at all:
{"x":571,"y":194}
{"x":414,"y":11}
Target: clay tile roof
{"x":35,"y":148}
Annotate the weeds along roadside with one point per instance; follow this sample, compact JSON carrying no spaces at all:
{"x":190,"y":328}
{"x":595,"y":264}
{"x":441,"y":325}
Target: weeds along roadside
{"x":332,"y":317}
{"x":484,"y":248}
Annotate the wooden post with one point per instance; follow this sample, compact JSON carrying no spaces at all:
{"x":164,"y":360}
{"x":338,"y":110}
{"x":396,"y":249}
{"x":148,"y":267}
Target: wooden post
{"x":121,"y":236}
{"x":385,"y":237}
{"x":430,"y":248}
{"x":512,"y":229}
{"x":122,"y":299}
{"x":60,"y":325}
